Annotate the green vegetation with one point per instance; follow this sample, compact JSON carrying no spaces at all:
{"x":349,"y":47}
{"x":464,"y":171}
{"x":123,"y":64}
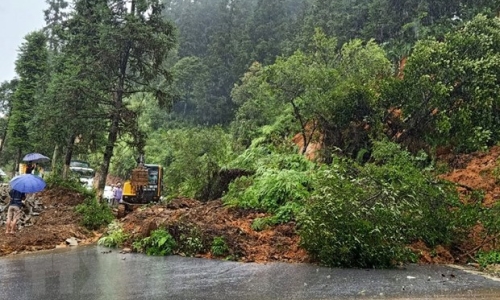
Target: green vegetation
{"x":115,"y":236}
{"x":94,"y":214}
{"x":192,"y":158}
{"x":488,"y":258}
{"x":279,"y":178}
{"x":365,"y":216}
{"x":219,"y":247}
{"x":71,"y":183}
{"x":160,"y":242}
{"x":232,"y":97}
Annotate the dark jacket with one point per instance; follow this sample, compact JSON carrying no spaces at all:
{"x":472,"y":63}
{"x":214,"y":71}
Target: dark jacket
{"x":16,"y":197}
{"x":29,"y":169}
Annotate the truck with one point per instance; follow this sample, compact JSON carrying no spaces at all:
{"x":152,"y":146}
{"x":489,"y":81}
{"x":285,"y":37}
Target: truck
{"x":144,"y":186}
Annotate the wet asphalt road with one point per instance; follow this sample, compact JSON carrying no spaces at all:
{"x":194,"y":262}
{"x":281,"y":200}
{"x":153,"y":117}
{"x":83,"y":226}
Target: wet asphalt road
{"x":88,"y":273}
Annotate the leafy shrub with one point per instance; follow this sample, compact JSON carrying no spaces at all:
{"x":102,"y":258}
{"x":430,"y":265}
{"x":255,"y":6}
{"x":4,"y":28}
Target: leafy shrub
{"x":160,"y":242}
{"x":219,"y":247}
{"x":262,"y":157}
{"x":366,"y":216}
{"x":280,"y":179}
{"x":424,"y":201}
{"x":270,"y":190}
{"x":488,"y":258}
{"x":94,"y":214}
{"x":191,"y":243}
{"x":287,"y":212}
{"x":338,"y":229}
{"x":115,"y":236}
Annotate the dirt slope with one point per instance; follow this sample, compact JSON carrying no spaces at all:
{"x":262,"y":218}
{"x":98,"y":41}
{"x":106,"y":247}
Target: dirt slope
{"x":56,"y":223}
{"x":477,"y":171}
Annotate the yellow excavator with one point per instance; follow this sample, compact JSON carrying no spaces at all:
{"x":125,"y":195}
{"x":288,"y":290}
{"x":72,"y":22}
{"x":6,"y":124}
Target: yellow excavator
{"x":143,"y":187}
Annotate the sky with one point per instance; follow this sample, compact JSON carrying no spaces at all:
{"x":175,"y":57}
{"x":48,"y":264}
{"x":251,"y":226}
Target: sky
{"x":17,"y":19}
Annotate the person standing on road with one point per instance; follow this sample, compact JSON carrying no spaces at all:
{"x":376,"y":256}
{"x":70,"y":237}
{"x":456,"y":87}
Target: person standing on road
{"x":117,"y":194}
{"x":14,"y":212}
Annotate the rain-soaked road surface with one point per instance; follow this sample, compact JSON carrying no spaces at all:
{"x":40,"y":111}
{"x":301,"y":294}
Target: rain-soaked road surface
{"x":88,"y":273}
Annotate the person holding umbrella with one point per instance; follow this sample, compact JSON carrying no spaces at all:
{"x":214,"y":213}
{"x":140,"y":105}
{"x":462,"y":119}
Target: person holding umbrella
{"x":29,"y":167}
{"x":14,"y":211}
{"x":20,"y":185}
{"x":32,"y":160}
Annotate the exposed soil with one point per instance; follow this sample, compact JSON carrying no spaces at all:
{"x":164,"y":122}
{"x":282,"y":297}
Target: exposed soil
{"x":58,"y":221}
{"x":477,"y":171}
{"x":212,"y":219}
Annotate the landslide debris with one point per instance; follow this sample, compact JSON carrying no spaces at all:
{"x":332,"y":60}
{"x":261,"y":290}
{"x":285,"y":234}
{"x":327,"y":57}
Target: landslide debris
{"x":213,"y":219}
{"x":48,"y":219}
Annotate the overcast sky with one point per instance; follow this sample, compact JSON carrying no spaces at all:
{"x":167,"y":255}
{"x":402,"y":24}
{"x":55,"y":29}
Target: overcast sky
{"x":17,"y":18}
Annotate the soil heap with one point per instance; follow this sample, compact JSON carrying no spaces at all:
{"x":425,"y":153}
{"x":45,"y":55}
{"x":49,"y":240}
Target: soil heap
{"x":48,"y":219}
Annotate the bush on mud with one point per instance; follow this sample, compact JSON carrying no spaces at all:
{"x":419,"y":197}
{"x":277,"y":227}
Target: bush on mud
{"x":283,"y":214}
{"x":487,"y":258}
{"x":219,"y":247}
{"x":366,"y":216}
{"x":191,"y":241}
{"x":160,"y":242}
{"x":71,"y":183}
{"x":115,"y":236}
{"x":94,"y":214}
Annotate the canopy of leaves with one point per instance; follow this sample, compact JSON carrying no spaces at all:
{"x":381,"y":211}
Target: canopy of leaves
{"x":335,"y":89}
{"x":450,"y":91}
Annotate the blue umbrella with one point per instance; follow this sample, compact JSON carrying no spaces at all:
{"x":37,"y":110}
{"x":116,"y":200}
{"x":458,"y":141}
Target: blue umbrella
{"x":27,"y":183}
{"x":35,"y":157}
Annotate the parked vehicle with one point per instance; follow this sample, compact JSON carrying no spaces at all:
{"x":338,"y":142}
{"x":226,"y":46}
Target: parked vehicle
{"x":84,"y":172}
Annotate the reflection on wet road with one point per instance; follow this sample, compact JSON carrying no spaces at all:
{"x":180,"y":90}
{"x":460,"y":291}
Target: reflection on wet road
{"x":90,"y":273}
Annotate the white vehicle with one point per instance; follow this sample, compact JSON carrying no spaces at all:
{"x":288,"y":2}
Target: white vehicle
{"x":84,"y":172}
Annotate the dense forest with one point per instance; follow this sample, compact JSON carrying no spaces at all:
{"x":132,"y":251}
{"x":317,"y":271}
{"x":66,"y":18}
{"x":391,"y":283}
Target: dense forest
{"x":233,"y":96}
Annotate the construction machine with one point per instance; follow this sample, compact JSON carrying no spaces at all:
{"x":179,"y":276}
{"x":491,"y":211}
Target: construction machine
{"x":143,"y":187}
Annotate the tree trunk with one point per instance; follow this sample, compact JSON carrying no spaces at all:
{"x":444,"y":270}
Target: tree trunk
{"x":69,"y":154}
{"x":55,"y":155}
{"x":115,"y":120}
{"x":108,"y":152}
{"x":2,"y":143}
{"x":16,"y":162}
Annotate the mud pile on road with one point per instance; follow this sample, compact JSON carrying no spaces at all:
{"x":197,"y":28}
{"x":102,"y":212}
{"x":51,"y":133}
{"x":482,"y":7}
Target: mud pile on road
{"x":212,"y":219}
{"x":48,"y":220}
